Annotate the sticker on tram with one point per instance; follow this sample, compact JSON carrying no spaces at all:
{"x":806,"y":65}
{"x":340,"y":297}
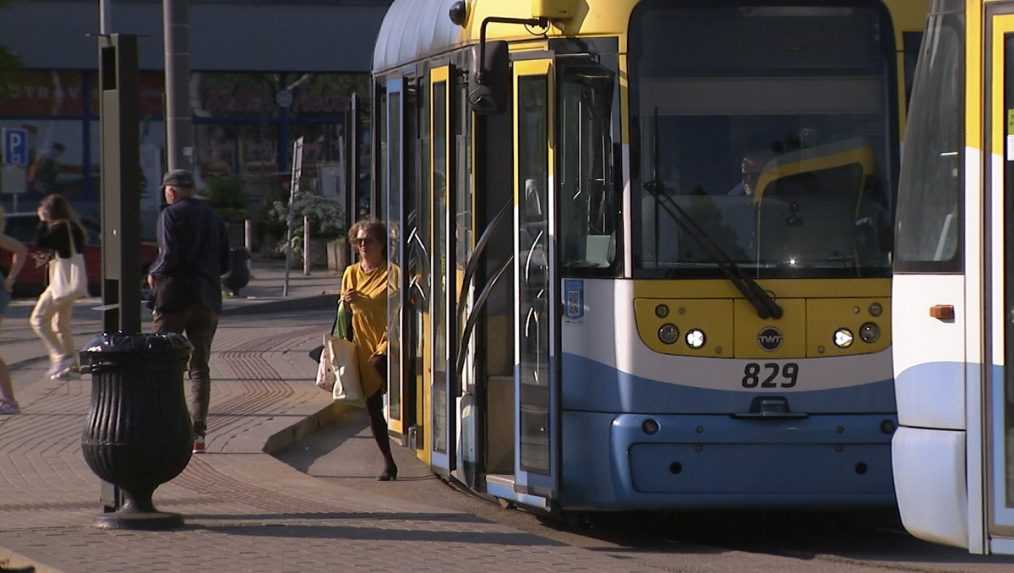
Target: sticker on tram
{"x":573,"y":298}
{"x":770,"y":375}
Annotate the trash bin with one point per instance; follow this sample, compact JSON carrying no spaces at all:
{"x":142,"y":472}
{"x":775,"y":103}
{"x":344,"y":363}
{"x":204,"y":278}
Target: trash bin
{"x":138,"y":434}
{"x":239,"y":271}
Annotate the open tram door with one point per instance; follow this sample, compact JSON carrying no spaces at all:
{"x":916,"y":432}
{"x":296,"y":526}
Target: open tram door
{"x":536,"y":302}
{"x":953,"y":455}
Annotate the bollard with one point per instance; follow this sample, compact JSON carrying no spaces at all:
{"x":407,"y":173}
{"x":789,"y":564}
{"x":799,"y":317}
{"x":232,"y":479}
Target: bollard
{"x":138,"y":434}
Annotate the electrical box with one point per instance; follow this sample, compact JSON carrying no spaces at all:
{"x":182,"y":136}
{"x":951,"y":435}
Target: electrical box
{"x":554,"y":9}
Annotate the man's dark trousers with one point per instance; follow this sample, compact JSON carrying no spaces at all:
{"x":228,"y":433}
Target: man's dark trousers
{"x":198,"y":323}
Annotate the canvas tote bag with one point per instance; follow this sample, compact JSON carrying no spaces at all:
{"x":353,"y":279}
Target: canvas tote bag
{"x":68,"y":279}
{"x":344,"y":361}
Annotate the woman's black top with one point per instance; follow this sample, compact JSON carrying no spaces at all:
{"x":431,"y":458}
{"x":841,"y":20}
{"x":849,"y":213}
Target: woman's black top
{"x":55,"y":238}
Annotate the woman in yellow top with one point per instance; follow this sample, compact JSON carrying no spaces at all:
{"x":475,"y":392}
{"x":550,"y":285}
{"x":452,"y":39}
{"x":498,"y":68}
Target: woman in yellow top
{"x":364,"y":290}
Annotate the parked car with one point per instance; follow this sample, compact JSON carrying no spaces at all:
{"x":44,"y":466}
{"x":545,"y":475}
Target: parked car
{"x":32,"y":279}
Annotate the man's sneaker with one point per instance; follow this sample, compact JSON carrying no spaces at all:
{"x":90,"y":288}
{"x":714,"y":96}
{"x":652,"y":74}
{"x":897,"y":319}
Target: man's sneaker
{"x":199,"y":445}
{"x":8,"y":408}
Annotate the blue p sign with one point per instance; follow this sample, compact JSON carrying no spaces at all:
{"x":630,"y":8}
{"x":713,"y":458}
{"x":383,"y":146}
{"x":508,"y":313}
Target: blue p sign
{"x":15,"y":146}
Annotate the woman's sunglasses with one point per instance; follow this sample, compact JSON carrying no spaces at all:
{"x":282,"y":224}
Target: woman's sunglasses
{"x":359,"y":242}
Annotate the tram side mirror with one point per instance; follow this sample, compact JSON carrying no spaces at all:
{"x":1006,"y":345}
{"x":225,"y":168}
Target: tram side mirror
{"x":488,"y":89}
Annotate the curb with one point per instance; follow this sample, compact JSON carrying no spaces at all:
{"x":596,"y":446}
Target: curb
{"x":314,"y":302}
{"x":327,"y":416}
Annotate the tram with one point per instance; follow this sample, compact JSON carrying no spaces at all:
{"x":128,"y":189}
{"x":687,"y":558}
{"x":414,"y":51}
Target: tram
{"x":643,"y":248}
{"x":954,"y":449}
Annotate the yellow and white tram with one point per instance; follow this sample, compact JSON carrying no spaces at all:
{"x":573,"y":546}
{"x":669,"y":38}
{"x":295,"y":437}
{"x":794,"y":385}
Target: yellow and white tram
{"x":954,"y":449}
{"x":644,"y":247}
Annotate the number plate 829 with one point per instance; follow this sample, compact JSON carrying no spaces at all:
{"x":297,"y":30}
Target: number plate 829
{"x":770,"y":375}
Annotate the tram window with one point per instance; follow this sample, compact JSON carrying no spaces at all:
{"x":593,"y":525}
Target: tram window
{"x":929,"y":206}
{"x":913,"y":44}
{"x":726,"y":97}
{"x":587,"y":194}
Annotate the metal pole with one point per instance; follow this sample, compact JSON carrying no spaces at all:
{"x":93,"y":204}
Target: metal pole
{"x":248,"y":242}
{"x":105,"y":16}
{"x":306,"y":245}
{"x":179,"y":116}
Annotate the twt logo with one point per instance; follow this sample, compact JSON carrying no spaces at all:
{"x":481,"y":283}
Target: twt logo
{"x":770,"y":338}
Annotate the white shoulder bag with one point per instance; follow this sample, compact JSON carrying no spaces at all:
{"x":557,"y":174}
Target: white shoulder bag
{"x":68,"y":279}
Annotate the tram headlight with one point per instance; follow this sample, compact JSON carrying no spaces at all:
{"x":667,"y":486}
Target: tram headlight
{"x":668,"y":333}
{"x":696,"y":338}
{"x":662,"y":311}
{"x":876,"y":309}
{"x":869,"y":332}
{"x":843,"y":338}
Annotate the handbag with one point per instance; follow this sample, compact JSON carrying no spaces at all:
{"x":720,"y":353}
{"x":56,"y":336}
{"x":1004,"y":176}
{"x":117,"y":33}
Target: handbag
{"x":325,"y":374}
{"x":68,"y":279}
{"x":343,"y":359}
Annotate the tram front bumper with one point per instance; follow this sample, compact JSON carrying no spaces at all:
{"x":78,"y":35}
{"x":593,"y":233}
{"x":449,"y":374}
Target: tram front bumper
{"x":827,"y":461}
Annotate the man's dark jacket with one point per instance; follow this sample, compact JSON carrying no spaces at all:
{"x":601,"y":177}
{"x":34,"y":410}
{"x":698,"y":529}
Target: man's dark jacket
{"x":193,"y":254}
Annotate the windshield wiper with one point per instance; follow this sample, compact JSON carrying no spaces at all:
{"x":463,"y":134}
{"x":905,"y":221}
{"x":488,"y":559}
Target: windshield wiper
{"x":762,"y":302}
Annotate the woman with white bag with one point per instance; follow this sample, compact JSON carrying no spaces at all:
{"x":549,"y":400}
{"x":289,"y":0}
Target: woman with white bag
{"x":61,"y":232}
{"x":364,"y":290}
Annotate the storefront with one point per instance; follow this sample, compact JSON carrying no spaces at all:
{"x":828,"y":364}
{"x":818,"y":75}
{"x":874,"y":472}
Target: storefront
{"x":249,"y":105}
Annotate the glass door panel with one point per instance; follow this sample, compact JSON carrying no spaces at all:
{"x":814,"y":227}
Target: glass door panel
{"x":441,"y":301}
{"x":392,"y":191}
{"x":534,"y":243}
{"x":1000,"y":399}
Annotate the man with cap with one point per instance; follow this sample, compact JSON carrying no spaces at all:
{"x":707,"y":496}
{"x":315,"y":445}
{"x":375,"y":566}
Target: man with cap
{"x":193,"y":253}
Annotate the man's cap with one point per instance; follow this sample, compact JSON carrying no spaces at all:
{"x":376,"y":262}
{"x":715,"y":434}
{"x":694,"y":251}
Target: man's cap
{"x":179,"y":178}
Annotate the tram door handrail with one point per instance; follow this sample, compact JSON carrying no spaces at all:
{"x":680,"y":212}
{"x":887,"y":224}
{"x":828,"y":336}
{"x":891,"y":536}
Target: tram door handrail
{"x":473,"y":261}
{"x":473,"y":318}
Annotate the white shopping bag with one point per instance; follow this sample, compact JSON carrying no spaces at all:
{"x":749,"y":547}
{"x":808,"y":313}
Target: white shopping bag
{"x":340,"y":354}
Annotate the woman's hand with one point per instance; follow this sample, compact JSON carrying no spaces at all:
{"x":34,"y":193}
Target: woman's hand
{"x":351,"y":295}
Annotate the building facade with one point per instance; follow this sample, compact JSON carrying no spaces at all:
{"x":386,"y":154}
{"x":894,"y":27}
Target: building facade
{"x":264,"y":73}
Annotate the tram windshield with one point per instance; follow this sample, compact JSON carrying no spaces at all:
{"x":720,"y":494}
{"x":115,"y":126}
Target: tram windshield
{"x":769,"y":125}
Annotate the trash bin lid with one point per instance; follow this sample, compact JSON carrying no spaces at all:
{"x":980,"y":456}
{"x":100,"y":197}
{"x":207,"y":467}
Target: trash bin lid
{"x":110,"y":345}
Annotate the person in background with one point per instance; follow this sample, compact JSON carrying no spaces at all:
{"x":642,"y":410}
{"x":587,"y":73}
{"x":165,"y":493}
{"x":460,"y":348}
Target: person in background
{"x":62,"y":234}
{"x":8,"y":405}
{"x":364,"y":289}
{"x":193,"y":254}
{"x":750,"y":170}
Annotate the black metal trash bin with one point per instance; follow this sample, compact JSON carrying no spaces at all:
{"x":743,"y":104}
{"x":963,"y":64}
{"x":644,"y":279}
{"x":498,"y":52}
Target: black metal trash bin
{"x":138,"y":434}
{"x":239,"y":272}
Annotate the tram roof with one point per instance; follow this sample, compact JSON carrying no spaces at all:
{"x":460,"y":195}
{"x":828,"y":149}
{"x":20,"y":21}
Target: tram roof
{"x":413,"y":29}
{"x":416,"y":29}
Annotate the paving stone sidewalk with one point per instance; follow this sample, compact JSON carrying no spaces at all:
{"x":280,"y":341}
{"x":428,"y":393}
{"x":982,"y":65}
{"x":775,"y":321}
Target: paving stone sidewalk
{"x":245,"y":510}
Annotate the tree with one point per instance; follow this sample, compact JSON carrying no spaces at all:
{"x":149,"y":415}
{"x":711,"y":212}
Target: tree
{"x":8,"y":60}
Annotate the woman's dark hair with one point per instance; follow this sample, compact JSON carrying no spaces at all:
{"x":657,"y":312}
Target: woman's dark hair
{"x":59,"y":209}
{"x":374,"y":230}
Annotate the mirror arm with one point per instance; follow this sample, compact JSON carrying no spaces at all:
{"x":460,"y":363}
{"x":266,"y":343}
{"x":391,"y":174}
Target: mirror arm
{"x":480,"y":73}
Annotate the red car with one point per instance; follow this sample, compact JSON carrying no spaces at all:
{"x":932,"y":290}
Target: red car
{"x":32,"y":279}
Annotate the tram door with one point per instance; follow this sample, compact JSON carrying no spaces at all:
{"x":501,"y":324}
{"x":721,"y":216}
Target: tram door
{"x":953,"y":453}
{"x":392,"y":191}
{"x":536,"y":374}
{"x":997,"y":402}
{"x":443,"y":397}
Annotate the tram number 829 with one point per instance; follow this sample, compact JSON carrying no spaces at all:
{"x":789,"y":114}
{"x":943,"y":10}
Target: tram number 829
{"x":770,"y":375}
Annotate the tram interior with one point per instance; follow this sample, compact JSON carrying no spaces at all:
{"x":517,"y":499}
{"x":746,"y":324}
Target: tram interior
{"x":497,"y":348}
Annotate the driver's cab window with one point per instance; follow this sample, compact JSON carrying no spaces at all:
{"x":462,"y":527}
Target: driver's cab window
{"x":587,"y":195}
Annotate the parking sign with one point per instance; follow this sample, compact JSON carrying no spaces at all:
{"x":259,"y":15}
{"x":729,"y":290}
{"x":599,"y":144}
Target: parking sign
{"x":15,"y":146}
